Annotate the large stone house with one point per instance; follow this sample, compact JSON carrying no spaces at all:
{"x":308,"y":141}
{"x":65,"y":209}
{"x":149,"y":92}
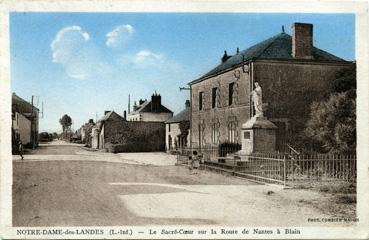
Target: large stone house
{"x":150,"y":111}
{"x":25,"y":122}
{"x":174,"y":138}
{"x":291,"y":72}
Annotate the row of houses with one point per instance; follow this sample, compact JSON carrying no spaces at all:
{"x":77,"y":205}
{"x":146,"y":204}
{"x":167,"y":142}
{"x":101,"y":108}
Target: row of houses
{"x":291,"y":71}
{"x":25,"y":123}
{"x":142,"y":129}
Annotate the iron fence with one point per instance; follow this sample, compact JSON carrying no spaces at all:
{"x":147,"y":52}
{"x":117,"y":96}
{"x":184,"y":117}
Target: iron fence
{"x":277,"y":168}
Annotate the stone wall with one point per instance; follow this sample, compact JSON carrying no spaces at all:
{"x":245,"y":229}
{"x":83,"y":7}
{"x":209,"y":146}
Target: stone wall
{"x":265,"y":140}
{"x":22,"y":125}
{"x":156,"y":117}
{"x":126,"y":136}
{"x":223,"y":113}
{"x":289,"y":87}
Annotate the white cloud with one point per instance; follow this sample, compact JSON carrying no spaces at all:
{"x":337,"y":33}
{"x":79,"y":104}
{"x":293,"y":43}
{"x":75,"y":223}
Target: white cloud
{"x":146,"y":56}
{"x":73,"y":49}
{"x":119,"y":36}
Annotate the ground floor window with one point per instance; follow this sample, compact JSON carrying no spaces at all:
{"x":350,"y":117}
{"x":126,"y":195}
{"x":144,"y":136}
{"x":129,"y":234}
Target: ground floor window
{"x":215,"y":133}
{"x":232,"y":132}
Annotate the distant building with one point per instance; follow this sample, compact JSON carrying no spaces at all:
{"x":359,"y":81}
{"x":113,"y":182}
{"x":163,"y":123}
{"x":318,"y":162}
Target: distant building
{"x":150,"y":111}
{"x":291,"y":72}
{"x":25,"y":122}
{"x":174,"y":138}
{"x":86,"y":131}
{"x":114,"y":134}
{"x":107,"y":126}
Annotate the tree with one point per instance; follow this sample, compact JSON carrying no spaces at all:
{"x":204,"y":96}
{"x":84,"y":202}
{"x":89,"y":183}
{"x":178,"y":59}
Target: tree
{"x":333,"y":121}
{"x":66,"y":122}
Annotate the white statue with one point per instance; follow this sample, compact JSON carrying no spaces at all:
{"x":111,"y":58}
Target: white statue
{"x":257,"y":100}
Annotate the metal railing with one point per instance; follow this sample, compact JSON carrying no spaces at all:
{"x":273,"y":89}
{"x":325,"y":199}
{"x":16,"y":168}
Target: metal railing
{"x":277,"y":168}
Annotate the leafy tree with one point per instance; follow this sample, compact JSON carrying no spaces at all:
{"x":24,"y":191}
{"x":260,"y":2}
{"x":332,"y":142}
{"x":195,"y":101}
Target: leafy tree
{"x":333,"y":122}
{"x":66,"y":122}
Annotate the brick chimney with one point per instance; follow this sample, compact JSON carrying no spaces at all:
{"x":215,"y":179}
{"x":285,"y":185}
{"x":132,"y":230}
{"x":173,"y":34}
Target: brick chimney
{"x":302,"y":41}
{"x":155,"y":102}
{"x":141,"y":102}
{"x":187,"y":104}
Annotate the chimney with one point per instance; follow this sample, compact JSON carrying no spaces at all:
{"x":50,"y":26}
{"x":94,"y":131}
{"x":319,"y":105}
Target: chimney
{"x":302,"y":41}
{"x":225,"y":56}
{"x":141,"y":102}
{"x":125,"y":115}
{"x":135,"y":107}
{"x":91,"y":121}
{"x":155,"y":102}
{"x":187,"y":104}
{"x":106,"y":112}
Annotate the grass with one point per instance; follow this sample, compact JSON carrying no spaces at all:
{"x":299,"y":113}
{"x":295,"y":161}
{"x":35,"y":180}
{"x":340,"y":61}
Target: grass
{"x":345,"y":199}
{"x":343,"y":188}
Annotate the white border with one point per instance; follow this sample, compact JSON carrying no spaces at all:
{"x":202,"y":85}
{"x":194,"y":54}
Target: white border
{"x":359,"y":8}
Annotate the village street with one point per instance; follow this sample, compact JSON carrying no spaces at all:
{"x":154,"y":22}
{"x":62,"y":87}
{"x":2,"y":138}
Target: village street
{"x":64,"y":184}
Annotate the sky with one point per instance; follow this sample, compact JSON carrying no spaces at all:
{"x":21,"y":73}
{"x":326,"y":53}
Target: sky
{"x":83,"y":64}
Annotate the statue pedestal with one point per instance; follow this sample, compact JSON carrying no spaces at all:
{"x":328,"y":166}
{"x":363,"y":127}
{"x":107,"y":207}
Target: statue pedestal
{"x":258,"y":135}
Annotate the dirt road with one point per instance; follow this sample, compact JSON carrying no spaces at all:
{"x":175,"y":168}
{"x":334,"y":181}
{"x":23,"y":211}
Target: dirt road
{"x":65,"y":185}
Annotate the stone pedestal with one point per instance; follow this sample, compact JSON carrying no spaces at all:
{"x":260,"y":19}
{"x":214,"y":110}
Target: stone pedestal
{"x":258,"y":135}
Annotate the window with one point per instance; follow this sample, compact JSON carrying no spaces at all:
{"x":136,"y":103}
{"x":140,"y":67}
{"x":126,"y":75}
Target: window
{"x":246,"y":135}
{"x":201,"y":96}
{"x":169,"y":127}
{"x":214,"y":97}
{"x":214,"y":133}
{"x":232,"y":132}
{"x":200,"y":135}
{"x":230,"y":93}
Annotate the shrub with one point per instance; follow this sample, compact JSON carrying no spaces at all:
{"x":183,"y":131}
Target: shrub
{"x":227,"y":147}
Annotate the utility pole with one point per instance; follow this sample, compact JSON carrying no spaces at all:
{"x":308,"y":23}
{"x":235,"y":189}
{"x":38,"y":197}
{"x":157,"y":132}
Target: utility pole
{"x":129,"y":103}
{"x":33,"y":125}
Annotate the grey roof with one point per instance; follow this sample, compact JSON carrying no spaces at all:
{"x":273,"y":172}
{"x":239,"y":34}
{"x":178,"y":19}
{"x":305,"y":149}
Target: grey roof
{"x":108,"y":115}
{"x":277,"y":47}
{"x":22,"y":106}
{"x":146,"y":107}
{"x":183,"y":115}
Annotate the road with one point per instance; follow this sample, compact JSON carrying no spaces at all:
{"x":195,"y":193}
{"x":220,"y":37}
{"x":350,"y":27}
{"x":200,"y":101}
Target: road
{"x":63,"y":184}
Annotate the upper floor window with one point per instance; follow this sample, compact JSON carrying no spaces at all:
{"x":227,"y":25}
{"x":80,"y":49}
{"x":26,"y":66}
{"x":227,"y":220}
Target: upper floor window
{"x":201,"y":100}
{"x":230,"y":93}
{"x":214,"y":97}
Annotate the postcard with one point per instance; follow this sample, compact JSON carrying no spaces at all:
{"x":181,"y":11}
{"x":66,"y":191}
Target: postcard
{"x":184,"y":119}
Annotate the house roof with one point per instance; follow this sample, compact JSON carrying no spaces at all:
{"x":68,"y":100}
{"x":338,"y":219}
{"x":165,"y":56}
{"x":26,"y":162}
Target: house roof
{"x":108,"y":115}
{"x":146,"y":107}
{"x":277,"y":47}
{"x":21,"y":105}
{"x":183,"y":115}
